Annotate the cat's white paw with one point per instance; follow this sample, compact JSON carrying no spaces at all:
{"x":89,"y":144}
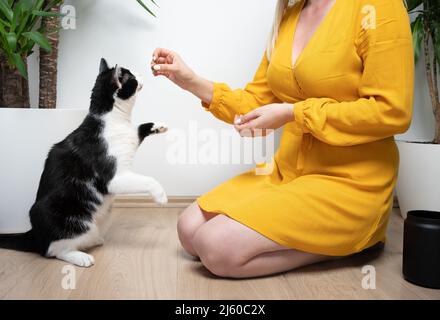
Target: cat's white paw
{"x":160,"y":197}
{"x":78,"y":258}
{"x":160,"y":127}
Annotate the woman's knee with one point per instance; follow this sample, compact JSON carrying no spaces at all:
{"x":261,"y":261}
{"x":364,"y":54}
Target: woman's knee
{"x":188,"y":223}
{"x":216,"y":254}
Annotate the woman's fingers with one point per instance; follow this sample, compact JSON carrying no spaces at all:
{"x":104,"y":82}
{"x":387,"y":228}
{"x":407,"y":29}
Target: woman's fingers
{"x":161,"y":52}
{"x":170,"y":65}
{"x":247,"y":117}
{"x":160,"y":73}
{"x":236,"y":121}
{"x":165,"y":68}
{"x":252,"y":128}
{"x":245,"y":129}
{"x":158,"y":61}
{"x":156,"y":73}
{"x":236,"y":126}
{"x":248,"y":121}
{"x":254,"y":132}
{"x":246,"y":126}
{"x":162,"y":60}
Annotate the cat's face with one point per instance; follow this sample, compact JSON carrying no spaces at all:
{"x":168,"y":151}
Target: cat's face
{"x":115,"y":85}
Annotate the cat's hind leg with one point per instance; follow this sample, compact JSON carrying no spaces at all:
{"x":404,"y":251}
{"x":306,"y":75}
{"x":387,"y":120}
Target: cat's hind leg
{"x":69,"y":249}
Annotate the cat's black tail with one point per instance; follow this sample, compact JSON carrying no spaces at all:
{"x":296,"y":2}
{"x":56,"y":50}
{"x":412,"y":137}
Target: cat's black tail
{"x":20,"y":242}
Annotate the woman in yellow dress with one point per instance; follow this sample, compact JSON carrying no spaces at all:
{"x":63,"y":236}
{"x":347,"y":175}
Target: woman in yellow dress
{"x":338,"y":76}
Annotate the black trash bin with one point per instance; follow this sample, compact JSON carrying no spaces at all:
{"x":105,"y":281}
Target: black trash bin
{"x":421,"y":248}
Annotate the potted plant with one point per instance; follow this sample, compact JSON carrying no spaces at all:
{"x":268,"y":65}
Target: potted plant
{"x":418,"y":184}
{"x":26,"y":133}
{"x":20,"y":30}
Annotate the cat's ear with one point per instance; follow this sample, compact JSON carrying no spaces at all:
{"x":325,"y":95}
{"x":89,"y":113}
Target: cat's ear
{"x":103,"y":66}
{"x":116,"y":76}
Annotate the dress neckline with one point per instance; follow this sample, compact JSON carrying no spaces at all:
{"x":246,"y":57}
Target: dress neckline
{"x":312,"y":38}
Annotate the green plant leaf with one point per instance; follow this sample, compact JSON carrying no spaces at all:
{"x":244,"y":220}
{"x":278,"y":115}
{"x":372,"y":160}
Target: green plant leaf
{"x":38,"y":38}
{"x":145,"y":7}
{"x":5,"y":47}
{"x":12,"y":41}
{"x":412,"y":4}
{"x":417,"y":33}
{"x":33,"y":18}
{"x":27,"y":4}
{"x":20,"y":65}
{"x":27,"y":47}
{"x":6,"y":9}
{"x":19,"y":13}
{"x":23,"y":23}
{"x":3,"y":24}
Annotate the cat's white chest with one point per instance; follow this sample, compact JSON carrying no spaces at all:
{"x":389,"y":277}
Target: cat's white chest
{"x":121,"y":138}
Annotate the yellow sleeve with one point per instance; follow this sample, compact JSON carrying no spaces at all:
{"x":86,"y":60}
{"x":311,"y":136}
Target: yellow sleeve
{"x":226,"y":103}
{"x":386,"y":88}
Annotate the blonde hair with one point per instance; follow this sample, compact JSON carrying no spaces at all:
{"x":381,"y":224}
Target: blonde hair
{"x":281,"y":8}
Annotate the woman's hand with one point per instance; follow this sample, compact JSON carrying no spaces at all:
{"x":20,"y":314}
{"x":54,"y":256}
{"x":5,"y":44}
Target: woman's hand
{"x":264,"y":120}
{"x":169,"y":64}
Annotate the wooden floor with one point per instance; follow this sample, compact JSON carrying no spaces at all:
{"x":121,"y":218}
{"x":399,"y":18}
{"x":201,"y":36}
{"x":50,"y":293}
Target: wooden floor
{"x":142,"y":259}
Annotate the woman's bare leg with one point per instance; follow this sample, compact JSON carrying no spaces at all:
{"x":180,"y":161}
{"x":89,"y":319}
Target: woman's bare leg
{"x":230,"y":249}
{"x":189,"y":222}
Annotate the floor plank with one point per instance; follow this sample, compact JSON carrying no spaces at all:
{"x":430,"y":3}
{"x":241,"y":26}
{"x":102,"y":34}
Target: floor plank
{"x":142,"y":259}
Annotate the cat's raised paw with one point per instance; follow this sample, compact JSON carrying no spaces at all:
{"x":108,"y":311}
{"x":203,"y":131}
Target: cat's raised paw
{"x":160,"y":198}
{"x":160,"y":127}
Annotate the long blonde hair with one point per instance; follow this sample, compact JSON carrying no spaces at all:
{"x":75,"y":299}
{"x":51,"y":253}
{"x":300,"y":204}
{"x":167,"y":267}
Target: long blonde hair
{"x":281,"y":8}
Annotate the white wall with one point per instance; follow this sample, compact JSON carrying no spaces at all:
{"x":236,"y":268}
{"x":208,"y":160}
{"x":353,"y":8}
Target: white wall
{"x":223,"y":40}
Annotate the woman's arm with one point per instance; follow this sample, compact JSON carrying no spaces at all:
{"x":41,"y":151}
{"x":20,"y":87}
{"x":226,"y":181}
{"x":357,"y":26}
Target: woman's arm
{"x":169,"y":64}
{"x":218,"y":98}
{"x":201,"y":88}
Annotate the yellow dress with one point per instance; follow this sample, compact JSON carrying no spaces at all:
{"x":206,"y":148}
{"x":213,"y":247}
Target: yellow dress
{"x":331,"y":189}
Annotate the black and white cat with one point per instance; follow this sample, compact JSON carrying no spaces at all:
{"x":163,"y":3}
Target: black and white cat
{"x":84,"y":172}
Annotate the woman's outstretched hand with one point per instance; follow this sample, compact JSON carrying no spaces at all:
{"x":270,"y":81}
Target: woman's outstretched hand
{"x":169,"y":64}
{"x":264,"y":120}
